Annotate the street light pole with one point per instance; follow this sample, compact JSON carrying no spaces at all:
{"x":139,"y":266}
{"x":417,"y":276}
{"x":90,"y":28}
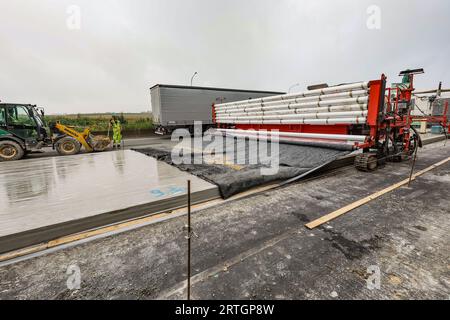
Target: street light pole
{"x":192,"y":78}
{"x":293,"y":86}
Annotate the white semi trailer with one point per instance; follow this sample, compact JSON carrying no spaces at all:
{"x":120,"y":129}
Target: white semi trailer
{"x":176,"y":106}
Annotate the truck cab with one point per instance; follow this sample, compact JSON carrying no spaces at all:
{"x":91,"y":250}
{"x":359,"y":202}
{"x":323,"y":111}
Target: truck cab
{"x":22,"y":130}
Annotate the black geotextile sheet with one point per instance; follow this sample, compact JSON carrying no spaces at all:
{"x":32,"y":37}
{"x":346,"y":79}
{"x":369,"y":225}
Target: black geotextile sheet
{"x":233,"y":177}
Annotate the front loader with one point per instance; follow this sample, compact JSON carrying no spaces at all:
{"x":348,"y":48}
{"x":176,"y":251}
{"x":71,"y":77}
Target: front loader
{"x":69,"y":141}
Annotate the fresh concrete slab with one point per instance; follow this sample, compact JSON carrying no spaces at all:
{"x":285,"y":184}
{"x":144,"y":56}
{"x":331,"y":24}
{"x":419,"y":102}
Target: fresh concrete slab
{"x":52,"y":197}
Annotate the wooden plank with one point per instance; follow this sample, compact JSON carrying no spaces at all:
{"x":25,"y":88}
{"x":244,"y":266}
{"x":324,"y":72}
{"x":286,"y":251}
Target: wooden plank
{"x":23,"y":252}
{"x":363,"y":201}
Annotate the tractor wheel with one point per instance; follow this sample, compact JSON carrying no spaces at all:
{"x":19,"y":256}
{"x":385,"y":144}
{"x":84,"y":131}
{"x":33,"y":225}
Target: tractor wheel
{"x":10,"y":151}
{"x":68,"y":146}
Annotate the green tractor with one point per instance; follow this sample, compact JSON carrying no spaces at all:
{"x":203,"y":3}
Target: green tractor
{"x":22,"y":130}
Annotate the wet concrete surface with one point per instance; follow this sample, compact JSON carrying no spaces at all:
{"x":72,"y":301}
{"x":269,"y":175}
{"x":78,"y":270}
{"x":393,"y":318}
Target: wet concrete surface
{"x":41,"y":195}
{"x":258,"y":247}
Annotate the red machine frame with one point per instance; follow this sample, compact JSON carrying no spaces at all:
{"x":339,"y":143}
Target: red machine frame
{"x":375,"y":103}
{"x":387,"y":127}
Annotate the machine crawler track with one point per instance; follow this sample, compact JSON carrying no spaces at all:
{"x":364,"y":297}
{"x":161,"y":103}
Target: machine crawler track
{"x":366,"y":162}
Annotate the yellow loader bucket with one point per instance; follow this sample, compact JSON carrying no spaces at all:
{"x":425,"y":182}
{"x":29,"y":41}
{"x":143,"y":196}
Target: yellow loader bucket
{"x":99,"y":143}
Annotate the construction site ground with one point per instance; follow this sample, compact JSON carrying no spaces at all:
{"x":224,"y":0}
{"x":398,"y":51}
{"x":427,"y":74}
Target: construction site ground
{"x":257,"y":247}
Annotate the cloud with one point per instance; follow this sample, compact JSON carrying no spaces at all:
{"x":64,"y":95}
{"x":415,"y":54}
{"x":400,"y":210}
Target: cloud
{"x":124,"y":47}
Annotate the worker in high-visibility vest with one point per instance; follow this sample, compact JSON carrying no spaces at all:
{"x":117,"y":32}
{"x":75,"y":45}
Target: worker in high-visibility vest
{"x":117,"y":131}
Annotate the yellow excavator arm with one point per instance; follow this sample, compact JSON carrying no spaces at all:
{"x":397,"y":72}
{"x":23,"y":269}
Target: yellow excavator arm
{"x":71,"y":140}
{"x":81,"y":137}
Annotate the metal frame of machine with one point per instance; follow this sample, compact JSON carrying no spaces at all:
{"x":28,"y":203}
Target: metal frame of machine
{"x":377,"y":121}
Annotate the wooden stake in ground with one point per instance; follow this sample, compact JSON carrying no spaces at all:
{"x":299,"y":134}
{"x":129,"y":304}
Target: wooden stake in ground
{"x":189,"y":241}
{"x":356,"y":204}
{"x":413,"y":164}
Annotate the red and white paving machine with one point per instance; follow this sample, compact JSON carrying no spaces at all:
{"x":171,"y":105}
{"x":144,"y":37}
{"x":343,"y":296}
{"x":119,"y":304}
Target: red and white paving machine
{"x":365,"y":115}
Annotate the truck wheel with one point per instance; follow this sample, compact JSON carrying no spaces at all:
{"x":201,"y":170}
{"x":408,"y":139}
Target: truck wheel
{"x":10,"y":151}
{"x":68,"y":146}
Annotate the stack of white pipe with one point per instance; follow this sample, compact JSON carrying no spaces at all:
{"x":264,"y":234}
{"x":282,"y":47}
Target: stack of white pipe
{"x":324,"y":136}
{"x":346,"y":142}
{"x":346,"y":104}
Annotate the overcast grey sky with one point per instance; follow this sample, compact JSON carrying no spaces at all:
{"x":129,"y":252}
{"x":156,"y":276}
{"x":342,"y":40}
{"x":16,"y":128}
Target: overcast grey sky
{"x":124,"y":47}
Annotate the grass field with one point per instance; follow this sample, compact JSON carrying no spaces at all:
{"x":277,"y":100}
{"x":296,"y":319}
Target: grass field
{"x":98,"y":122}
